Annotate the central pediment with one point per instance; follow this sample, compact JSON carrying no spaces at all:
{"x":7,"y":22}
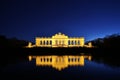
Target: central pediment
{"x":59,"y":35}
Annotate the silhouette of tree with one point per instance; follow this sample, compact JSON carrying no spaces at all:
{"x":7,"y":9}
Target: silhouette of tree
{"x":13,"y":42}
{"x":111,"y":41}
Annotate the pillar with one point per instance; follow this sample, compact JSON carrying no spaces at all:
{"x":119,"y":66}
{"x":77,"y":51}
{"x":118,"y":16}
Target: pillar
{"x":53,"y":43}
{"x":42,"y":42}
{"x":70,"y":42}
{"x":53,"y":59}
{"x":89,"y":58}
{"x":38,"y":62}
{"x":45,"y":42}
{"x":37,"y":41}
{"x":82,"y":42}
{"x":82,"y":60}
{"x":63,"y":41}
{"x":30,"y":58}
{"x":73,"y":42}
{"x":48,"y":42}
{"x":77,"y":43}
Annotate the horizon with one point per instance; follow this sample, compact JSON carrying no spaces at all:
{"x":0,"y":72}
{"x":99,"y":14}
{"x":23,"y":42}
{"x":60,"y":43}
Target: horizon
{"x":53,"y":35}
{"x":91,"y":19}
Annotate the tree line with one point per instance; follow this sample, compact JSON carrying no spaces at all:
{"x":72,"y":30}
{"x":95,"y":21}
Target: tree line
{"x":11,"y":42}
{"x":110,"y":41}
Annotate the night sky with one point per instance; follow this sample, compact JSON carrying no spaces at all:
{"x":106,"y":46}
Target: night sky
{"x":26,"y":19}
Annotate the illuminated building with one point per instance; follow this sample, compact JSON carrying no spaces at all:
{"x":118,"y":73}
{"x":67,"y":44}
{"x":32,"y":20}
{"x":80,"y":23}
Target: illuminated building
{"x":59,"y":40}
{"x":59,"y":62}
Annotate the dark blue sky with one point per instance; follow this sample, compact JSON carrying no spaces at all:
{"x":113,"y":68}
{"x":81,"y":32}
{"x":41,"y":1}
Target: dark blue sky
{"x":26,"y":19}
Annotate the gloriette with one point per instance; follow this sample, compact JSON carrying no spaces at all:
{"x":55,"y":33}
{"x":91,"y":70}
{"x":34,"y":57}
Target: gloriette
{"x":59,"y":40}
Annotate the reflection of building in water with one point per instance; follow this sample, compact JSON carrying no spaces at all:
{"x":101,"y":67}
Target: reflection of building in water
{"x":59,"y":62}
{"x":59,"y":40}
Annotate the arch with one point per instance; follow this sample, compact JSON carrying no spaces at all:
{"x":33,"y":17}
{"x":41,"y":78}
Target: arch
{"x":41,"y":42}
{"x":59,"y":41}
{"x":72,"y":42}
{"x":62,"y":41}
{"x":41,"y":59}
{"x":50,"y":59}
{"x":56,"y":42}
{"x":47,"y":59}
{"x":71,"y":59}
{"x":47,"y":42}
{"x":75,"y":42}
{"x":78,"y":42}
{"x":68,"y":59}
{"x":68,"y":42}
{"x":50,"y":42}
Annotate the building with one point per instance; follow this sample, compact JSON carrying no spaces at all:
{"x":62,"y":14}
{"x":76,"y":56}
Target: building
{"x":59,"y":40}
{"x":60,"y":62}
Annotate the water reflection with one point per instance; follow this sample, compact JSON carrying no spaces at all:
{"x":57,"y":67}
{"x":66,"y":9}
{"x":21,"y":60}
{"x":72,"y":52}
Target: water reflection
{"x":60,"y":62}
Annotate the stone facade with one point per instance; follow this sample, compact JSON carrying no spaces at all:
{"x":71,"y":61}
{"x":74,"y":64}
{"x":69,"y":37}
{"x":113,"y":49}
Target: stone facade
{"x":59,"y":40}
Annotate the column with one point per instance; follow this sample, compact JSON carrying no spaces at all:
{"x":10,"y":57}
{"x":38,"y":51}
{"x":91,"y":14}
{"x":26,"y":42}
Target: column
{"x":66,"y":42}
{"x":30,"y":58}
{"x":65,"y":60}
{"x":70,"y":42}
{"x":76,"y":42}
{"x":48,"y":42}
{"x":73,"y":42}
{"x":38,"y":61}
{"x":50,"y":60}
{"x":53,"y":43}
{"x":54,"y":59}
{"x":45,"y":42}
{"x":69,"y":60}
{"x":41,"y":59}
{"x":42,"y":42}
{"x":77,"y":60}
{"x":82,"y":60}
{"x":89,"y":58}
{"x":37,"y":41}
{"x":62,"y":42}
{"x":82,"y":42}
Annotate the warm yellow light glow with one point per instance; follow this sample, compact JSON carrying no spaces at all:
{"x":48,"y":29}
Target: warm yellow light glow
{"x":59,"y":40}
{"x":30,"y":58}
{"x":60,"y":62}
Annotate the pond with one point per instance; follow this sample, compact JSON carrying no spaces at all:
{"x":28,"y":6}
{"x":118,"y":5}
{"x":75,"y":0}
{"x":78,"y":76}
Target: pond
{"x":56,"y":67}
